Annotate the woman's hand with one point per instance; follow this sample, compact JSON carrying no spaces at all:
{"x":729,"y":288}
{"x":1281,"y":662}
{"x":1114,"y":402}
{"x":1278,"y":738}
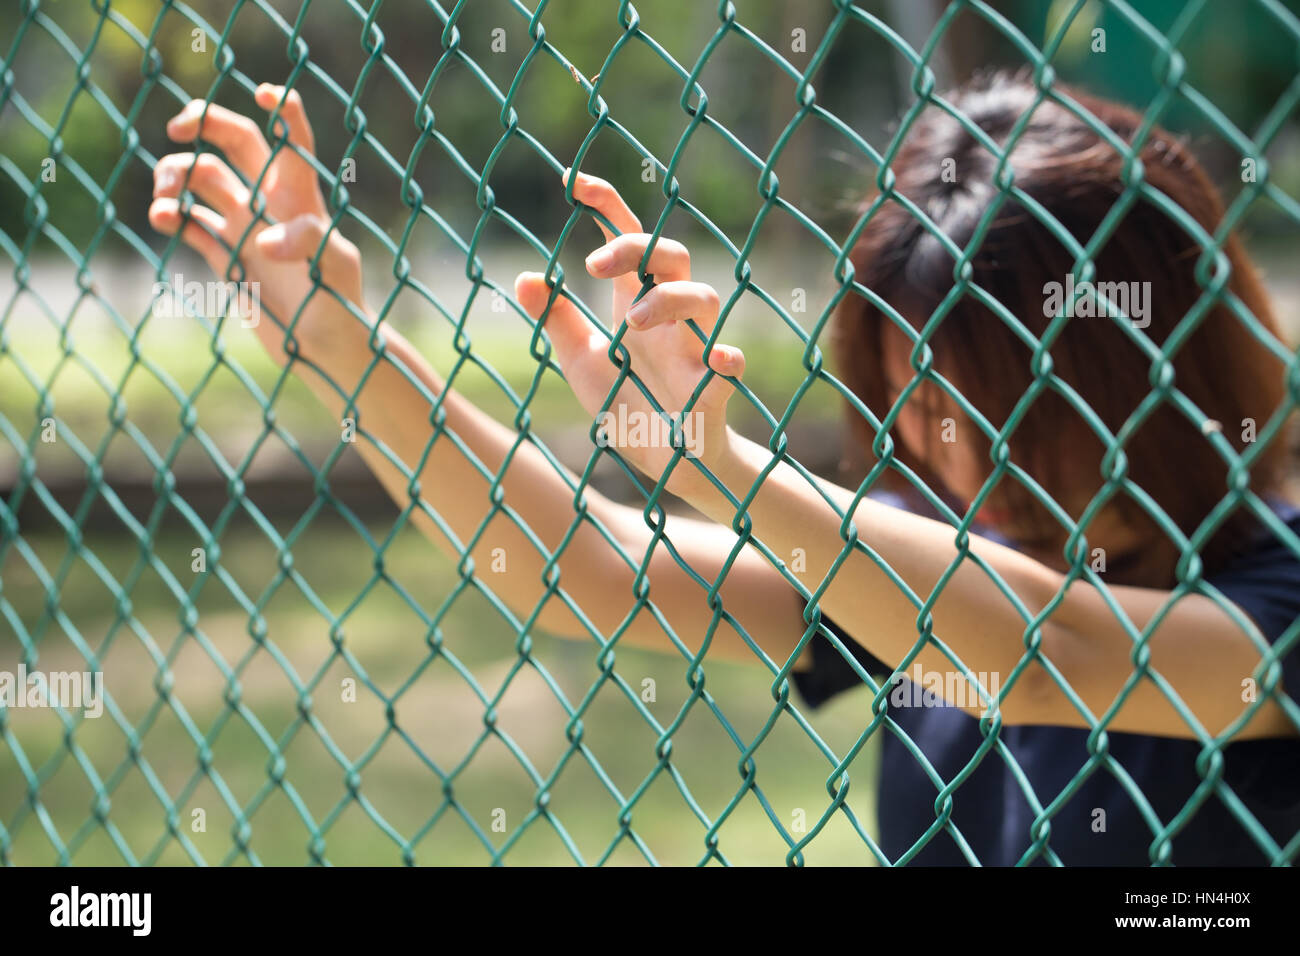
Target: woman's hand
{"x":665,"y":354}
{"x":274,"y":256}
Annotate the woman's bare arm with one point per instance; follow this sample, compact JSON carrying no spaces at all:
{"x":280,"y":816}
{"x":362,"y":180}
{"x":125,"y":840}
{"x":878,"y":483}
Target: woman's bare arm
{"x":392,"y":408}
{"x":1200,"y":651}
{"x":596,"y":575}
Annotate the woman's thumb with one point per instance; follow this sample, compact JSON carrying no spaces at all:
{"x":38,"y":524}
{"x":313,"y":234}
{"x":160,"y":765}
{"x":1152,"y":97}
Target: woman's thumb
{"x":569,"y":330}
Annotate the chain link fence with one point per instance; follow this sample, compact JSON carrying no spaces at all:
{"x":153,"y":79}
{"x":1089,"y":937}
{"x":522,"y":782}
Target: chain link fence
{"x":222,"y":652}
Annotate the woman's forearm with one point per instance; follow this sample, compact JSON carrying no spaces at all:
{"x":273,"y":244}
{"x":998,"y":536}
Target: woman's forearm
{"x":599,"y":576}
{"x":972,"y":616}
{"x":393,"y":421}
{"x":1201,"y":654}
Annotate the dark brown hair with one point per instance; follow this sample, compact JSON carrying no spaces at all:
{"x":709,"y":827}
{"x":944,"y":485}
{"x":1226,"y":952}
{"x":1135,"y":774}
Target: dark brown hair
{"x":1064,"y":166}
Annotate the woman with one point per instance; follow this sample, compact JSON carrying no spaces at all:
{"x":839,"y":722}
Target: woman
{"x":1035,"y":789}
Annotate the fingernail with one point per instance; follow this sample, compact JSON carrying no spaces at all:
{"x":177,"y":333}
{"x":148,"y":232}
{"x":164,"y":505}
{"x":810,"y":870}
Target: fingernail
{"x":600,"y":260}
{"x":637,"y":315}
{"x":166,"y":180}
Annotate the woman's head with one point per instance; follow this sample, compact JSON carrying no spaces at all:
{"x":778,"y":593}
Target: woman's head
{"x":1073,"y":178}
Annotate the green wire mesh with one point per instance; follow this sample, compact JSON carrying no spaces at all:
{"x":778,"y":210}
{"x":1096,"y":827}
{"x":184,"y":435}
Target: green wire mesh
{"x":105,"y":767}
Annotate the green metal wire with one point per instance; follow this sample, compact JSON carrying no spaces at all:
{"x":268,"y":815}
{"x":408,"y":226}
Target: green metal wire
{"x":694,"y":103}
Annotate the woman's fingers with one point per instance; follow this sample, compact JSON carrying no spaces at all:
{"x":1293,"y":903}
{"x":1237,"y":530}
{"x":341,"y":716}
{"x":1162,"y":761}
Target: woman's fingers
{"x":165,"y":216}
{"x":296,"y":184}
{"x":605,"y":199}
{"x":727,"y":360}
{"x":675,"y":302}
{"x":573,"y":335}
{"x":235,"y":135}
{"x":294,"y":114}
{"x":208,"y":177}
{"x":670,"y":261}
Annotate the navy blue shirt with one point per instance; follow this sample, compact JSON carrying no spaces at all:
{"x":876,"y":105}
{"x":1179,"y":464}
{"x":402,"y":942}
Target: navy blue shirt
{"x":990,"y":810}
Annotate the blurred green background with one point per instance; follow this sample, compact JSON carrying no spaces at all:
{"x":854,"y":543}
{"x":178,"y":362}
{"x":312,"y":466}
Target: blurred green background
{"x":76,"y":324}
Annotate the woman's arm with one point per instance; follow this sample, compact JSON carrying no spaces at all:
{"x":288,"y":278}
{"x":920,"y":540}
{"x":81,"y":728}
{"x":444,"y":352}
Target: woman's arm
{"x":1198,"y":649}
{"x":395,"y":414}
{"x":335,"y":359}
